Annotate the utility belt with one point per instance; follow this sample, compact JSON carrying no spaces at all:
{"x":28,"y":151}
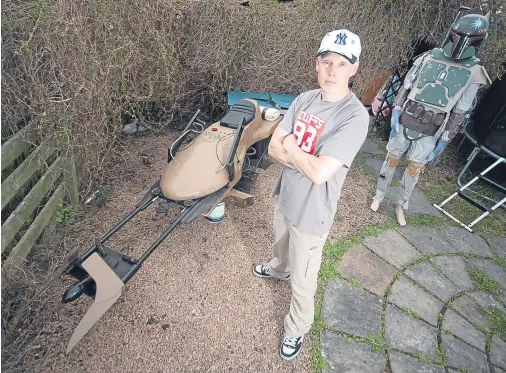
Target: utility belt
{"x":417,"y":118}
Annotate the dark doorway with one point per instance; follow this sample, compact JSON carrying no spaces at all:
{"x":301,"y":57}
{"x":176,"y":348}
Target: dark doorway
{"x":486,"y":128}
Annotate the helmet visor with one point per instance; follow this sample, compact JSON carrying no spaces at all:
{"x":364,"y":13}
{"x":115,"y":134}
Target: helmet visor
{"x":461,"y":43}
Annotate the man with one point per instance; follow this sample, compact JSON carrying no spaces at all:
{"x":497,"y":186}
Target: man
{"x":431,"y":106}
{"x":316,"y":141}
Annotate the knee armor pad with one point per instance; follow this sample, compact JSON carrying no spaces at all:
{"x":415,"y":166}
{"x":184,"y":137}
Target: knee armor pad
{"x":392,"y":161}
{"x":415,"y":169}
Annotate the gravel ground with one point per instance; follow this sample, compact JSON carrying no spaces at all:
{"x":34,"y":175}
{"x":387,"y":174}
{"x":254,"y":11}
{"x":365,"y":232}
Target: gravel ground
{"x":195,"y":306}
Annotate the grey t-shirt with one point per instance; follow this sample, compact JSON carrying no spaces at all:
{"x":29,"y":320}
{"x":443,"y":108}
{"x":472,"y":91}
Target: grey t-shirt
{"x":336,"y":129}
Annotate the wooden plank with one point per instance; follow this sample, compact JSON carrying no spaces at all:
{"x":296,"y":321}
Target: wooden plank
{"x":15,"y":146}
{"x":24,"y":246}
{"x":22,"y":174}
{"x":241,"y":199}
{"x":18,"y":217}
{"x":70,"y":178}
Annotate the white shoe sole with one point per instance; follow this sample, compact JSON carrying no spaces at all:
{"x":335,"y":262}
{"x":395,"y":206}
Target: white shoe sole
{"x":289,"y":358}
{"x":375,"y":205}
{"x":269,"y":276}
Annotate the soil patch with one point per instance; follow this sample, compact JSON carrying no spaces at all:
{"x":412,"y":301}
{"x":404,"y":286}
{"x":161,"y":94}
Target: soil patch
{"x":195,"y":305}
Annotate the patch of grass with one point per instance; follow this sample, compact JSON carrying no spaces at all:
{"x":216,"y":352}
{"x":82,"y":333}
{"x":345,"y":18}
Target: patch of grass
{"x":498,"y":260}
{"x":422,"y":357}
{"x":328,"y":271}
{"x":448,"y":332}
{"x":438,"y":190}
{"x":481,"y":327}
{"x":319,"y":324}
{"x":497,"y":319}
{"x":436,"y":266}
{"x":390,"y":285}
{"x":316,"y":357}
{"x":351,"y":338}
{"x":483,"y":282}
{"x":65,"y":213}
{"x":375,"y":229}
{"x":425,"y":221}
{"x":377,"y":343}
{"x":440,"y":318}
{"x":493,"y":224}
{"x":354,"y":282}
{"x":488,"y":341}
{"x":412,"y":314}
{"x":424,"y":258}
{"x":333,"y":252}
{"x":370,"y":230}
{"x":357,"y":239}
{"x":442,"y":354}
{"x":389,"y":224}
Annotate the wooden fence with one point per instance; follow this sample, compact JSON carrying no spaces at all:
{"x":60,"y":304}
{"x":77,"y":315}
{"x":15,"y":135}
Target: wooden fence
{"x":35,"y":181}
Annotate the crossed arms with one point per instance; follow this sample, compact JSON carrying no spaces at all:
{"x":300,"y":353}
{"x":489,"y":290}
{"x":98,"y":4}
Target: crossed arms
{"x":319,"y":169}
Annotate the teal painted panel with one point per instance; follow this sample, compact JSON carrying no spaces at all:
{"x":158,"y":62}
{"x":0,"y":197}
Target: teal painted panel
{"x":456,"y":79}
{"x":282,"y":99}
{"x":430,"y":72}
{"x":433,"y":94}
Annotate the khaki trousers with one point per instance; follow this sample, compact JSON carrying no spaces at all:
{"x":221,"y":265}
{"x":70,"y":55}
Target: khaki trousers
{"x":298,"y":254}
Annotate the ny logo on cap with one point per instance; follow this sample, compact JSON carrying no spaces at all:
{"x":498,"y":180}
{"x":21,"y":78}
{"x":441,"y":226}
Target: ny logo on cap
{"x":341,"y":38}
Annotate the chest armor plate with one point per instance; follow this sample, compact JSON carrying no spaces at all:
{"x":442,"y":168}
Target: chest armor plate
{"x":439,"y":83}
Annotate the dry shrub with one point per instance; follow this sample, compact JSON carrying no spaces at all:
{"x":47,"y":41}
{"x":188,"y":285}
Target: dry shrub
{"x":81,"y":69}
{"x":31,"y":297}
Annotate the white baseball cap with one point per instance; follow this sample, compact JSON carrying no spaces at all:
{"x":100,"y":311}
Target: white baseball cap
{"x":343,"y":42}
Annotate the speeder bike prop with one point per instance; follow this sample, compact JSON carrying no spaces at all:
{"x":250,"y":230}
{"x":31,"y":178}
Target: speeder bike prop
{"x":197,"y":177}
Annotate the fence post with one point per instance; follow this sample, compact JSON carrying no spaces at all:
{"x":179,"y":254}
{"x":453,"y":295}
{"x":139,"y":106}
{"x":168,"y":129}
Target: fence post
{"x":38,"y":190}
{"x":70,"y":179}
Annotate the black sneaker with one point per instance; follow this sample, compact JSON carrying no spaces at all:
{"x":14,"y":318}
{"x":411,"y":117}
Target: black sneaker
{"x":262,"y":270}
{"x":290,"y":347}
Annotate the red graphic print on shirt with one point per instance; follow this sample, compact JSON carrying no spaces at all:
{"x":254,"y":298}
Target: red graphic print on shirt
{"x":307,"y":129}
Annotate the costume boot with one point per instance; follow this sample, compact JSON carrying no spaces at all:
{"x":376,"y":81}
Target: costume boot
{"x":399,"y":213}
{"x":385,"y":178}
{"x":408,"y":182}
{"x":375,"y":204}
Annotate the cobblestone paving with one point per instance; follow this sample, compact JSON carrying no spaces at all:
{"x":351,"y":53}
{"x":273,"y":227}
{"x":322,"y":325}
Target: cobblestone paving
{"x":415,"y":300}
{"x":402,"y":307}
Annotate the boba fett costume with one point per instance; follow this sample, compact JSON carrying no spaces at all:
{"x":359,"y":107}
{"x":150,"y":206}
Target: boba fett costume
{"x":429,"y":109}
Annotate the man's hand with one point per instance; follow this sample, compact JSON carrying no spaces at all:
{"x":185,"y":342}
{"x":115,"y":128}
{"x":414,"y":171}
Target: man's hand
{"x":276,"y":149}
{"x":317,"y":169}
{"x":290,"y":143}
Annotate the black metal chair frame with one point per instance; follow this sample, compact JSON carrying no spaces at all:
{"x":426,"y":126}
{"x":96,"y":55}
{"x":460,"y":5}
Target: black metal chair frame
{"x":381,"y":121}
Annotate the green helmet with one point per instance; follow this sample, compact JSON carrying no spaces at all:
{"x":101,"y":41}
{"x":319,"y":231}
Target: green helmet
{"x":466,"y":36}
